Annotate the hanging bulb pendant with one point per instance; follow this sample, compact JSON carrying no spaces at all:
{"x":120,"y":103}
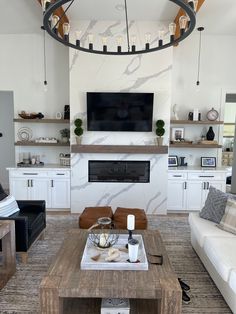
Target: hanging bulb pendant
{"x":200,"y":29}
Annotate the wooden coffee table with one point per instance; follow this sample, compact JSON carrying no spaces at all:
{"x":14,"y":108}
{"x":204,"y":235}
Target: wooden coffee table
{"x":7,"y":235}
{"x":68,"y":289}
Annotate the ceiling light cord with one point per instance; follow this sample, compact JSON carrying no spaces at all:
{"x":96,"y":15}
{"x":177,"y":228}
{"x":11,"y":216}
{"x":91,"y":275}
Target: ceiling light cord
{"x":127,"y":25}
{"x":200,"y":29}
{"x":44,"y":59}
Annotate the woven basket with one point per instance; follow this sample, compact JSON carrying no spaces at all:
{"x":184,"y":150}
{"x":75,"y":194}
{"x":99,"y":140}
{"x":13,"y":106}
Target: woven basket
{"x":65,"y":161}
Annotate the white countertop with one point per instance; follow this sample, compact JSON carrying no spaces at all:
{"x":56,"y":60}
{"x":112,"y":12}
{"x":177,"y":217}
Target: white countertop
{"x":197,"y":169}
{"x":44,"y":167}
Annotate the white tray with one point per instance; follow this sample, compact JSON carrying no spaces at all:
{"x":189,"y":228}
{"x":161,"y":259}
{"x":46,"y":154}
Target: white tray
{"x":122,"y":264}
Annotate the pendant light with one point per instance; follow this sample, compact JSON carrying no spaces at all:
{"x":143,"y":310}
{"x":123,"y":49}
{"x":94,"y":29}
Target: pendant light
{"x":200,"y":29}
{"x":45,"y":83}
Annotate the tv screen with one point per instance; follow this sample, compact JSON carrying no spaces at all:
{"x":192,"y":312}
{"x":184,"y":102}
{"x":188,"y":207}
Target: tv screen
{"x":119,"y":112}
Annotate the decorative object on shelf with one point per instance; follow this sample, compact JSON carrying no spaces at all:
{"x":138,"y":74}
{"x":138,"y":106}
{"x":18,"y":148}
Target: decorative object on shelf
{"x":205,"y":142}
{"x":208,"y":162}
{"x":78,"y":130}
{"x":115,"y":306}
{"x":175,"y":111}
{"x":190,"y":116}
{"x":133,"y":246}
{"x":177,"y":134}
{"x":21,"y":164}
{"x":64,"y":159}
{"x":200,"y":29}
{"x":182,"y":163}
{"x":187,"y":23}
{"x":67,"y":112}
{"x":25,"y":134}
{"x":160,"y":131}
{"x":65,"y":135}
{"x":33,"y":115}
{"x":58,"y":115}
{"x":212,"y":114}
{"x":195,"y":114}
{"x":46,"y":140}
{"x":104,"y":236}
{"x":210,"y":134}
{"x":172,"y":161}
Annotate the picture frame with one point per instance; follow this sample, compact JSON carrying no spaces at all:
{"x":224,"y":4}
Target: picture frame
{"x":177,"y":134}
{"x":208,"y":162}
{"x":172,"y":161}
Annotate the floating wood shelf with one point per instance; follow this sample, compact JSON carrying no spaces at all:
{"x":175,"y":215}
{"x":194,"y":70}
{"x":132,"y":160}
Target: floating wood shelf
{"x":120,"y":149}
{"x":195,"y":122}
{"x":196,"y":145}
{"x":41,"y":120}
{"x":25,"y":143}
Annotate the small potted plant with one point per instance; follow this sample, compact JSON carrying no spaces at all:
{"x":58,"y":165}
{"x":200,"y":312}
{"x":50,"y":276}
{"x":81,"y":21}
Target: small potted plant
{"x":65,"y":135}
{"x":160,"y":131}
{"x":78,"y":130}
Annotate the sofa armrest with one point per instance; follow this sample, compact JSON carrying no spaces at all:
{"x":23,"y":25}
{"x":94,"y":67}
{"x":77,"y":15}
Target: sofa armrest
{"x":32,"y":206}
{"x":21,"y":232}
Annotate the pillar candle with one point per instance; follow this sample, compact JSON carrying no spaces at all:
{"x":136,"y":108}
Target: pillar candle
{"x":130,"y":222}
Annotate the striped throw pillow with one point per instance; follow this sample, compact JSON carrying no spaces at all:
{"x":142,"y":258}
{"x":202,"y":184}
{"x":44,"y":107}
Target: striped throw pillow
{"x":228,"y":221}
{"x":8,"y":206}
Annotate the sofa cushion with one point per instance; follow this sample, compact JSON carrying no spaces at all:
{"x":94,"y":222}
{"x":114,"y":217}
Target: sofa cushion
{"x":214,"y":207}
{"x":228,"y":222}
{"x":8,"y":206}
{"x":221,"y":253}
{"x":232,"y":280}
{"x":203,"y":228}
{"x":90,"y":215}
{"x":120,"y":217}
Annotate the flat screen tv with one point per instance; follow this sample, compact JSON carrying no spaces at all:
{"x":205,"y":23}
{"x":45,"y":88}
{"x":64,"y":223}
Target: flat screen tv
{"x":119,"y":112}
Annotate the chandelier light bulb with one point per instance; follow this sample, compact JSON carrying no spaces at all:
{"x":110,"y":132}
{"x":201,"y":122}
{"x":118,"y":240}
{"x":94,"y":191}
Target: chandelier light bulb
{"x":182,"y":23}
{"x":190,"y":2}
{"x":133,"y":39}
{"x":172,"y":28}
{"x":119,"y":40}
{"x":45,"y":4}
{"x":104,"y":41}
{"x":55,"y":22}
{"x":66,"y":28}
{"x":77,"y":37}
{"x":195,"y":5}
{"x":90,"y":40}
{"x":161,"y":35}
{"x":148,"y":38}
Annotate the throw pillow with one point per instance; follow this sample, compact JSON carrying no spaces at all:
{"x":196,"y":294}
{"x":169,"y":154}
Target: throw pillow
{"x":8,"y":206}
{"x":228,"y":222}
{"x":214,"y":207}
{"x":2,"y":193}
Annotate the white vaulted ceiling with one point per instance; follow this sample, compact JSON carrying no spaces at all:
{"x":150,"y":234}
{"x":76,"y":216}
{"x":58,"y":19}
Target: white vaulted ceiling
{"x":25,"y":16}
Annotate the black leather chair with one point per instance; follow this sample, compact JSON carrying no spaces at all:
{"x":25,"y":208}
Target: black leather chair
{"x":30,"y":222}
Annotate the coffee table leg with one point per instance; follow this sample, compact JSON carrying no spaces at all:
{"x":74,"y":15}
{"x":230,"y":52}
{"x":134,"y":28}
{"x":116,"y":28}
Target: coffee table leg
{"x":50,"y":303}
{"x":171,"y":302}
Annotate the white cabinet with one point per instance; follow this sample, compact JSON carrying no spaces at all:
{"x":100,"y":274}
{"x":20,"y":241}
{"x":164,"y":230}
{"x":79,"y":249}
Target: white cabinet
{"x":188,"y":190}
{"x":51,"y":186}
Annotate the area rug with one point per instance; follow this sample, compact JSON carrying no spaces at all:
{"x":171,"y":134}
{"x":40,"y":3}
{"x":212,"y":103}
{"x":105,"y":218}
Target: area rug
{"x":21,"y":294}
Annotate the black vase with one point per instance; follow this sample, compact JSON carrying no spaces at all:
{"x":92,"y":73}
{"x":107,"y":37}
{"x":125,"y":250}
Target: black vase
{"x":210,"y":134}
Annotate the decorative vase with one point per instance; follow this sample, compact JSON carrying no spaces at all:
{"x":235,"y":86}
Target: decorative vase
{"x":78,"y":140}
{"x":210,"y":134}
{"x":159,"y":141}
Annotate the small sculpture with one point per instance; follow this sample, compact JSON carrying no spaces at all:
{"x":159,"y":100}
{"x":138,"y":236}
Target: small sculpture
{"x":175,"y":111}
{"x":113,"y":254}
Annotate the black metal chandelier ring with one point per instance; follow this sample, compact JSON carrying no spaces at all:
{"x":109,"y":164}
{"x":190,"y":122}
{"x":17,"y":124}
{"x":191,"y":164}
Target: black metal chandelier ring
{"x":184,"y":32}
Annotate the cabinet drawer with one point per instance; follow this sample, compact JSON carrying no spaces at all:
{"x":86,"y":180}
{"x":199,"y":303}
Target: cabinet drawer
{"x":206,"y":176}
{"x":27,"y":173}
{"x":177,"y":175}
{"x":59,"y":174}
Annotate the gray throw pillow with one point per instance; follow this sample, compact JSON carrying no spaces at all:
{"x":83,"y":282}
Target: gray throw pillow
{"x":215,"y":204}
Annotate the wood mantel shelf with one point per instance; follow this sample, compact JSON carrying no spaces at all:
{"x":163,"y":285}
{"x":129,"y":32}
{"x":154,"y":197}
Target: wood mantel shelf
{"x":120,"y":149}
{"x":180,"y":145}
{"x":41,"y":120}
{"x":195,"y":122}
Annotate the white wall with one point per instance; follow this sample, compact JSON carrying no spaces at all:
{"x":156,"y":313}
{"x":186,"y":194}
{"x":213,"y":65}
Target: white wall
{"x":21,"y":64}
{"x":143,"y":73}
{"x":216,"y":74}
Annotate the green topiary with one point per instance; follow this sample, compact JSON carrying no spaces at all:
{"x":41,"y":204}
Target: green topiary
{"x":160,"y":131}
{"x":78,"y":129}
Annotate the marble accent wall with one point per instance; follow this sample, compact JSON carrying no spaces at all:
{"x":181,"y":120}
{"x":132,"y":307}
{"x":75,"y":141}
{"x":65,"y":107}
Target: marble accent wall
{"x":142,"y":73}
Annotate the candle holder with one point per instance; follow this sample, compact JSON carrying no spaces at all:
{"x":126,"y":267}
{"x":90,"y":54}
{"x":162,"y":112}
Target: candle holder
{"x":130,"y":237}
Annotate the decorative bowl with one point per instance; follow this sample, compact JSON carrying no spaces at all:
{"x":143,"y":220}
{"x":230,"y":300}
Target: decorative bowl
{"x":28,"y":116}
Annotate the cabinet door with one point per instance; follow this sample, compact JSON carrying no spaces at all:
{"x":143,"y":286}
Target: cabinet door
{"x":60,"y":193}
{"x":19,"y":188}
{"x":40,"y":190}
{"x":194,"y":196}
{"x":176,"y":195}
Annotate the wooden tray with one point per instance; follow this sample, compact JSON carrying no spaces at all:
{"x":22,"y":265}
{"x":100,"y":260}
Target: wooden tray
{"x":122,"y":264}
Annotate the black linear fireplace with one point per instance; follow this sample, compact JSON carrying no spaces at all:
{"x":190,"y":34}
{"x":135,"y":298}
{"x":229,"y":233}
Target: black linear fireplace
{"x":118,"y":171}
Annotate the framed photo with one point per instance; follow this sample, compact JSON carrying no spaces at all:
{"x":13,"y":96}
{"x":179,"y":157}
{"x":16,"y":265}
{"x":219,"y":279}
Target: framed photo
{"x":208,"y":162}
{"x":172,"y":161}
{"x":177,"y":134}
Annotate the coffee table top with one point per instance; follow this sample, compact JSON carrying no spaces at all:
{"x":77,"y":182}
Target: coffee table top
{"x":67,"y":277}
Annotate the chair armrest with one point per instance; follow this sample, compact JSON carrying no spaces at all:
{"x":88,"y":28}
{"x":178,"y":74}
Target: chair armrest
{"x":21,"y":232}
{"x":32,"y":206}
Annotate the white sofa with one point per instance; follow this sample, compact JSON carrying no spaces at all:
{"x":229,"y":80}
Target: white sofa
{"x":217,"y":250}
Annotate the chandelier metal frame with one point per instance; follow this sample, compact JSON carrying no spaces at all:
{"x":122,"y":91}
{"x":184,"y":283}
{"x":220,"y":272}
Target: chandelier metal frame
{"x":188,"y":8}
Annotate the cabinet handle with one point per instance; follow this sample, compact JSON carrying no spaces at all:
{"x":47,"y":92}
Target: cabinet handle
{"x":185,"y":185}
{"x":31,"y":183}
{"x":206,"y":176}
{"x":60,"y":174}
{"x":30,"y":174}
{"x":28,"y":183}
{"x":208,"y":185}
{"x":204,"y":185}
{"x":52,"y":184}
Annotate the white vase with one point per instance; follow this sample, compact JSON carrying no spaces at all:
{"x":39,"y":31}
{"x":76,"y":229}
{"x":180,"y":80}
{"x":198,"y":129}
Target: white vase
{"x":78,"y":140}
{"x":159,"y":141}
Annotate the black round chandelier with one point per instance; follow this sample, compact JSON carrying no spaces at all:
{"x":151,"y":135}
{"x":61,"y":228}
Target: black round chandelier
{"x":187,"y":23}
